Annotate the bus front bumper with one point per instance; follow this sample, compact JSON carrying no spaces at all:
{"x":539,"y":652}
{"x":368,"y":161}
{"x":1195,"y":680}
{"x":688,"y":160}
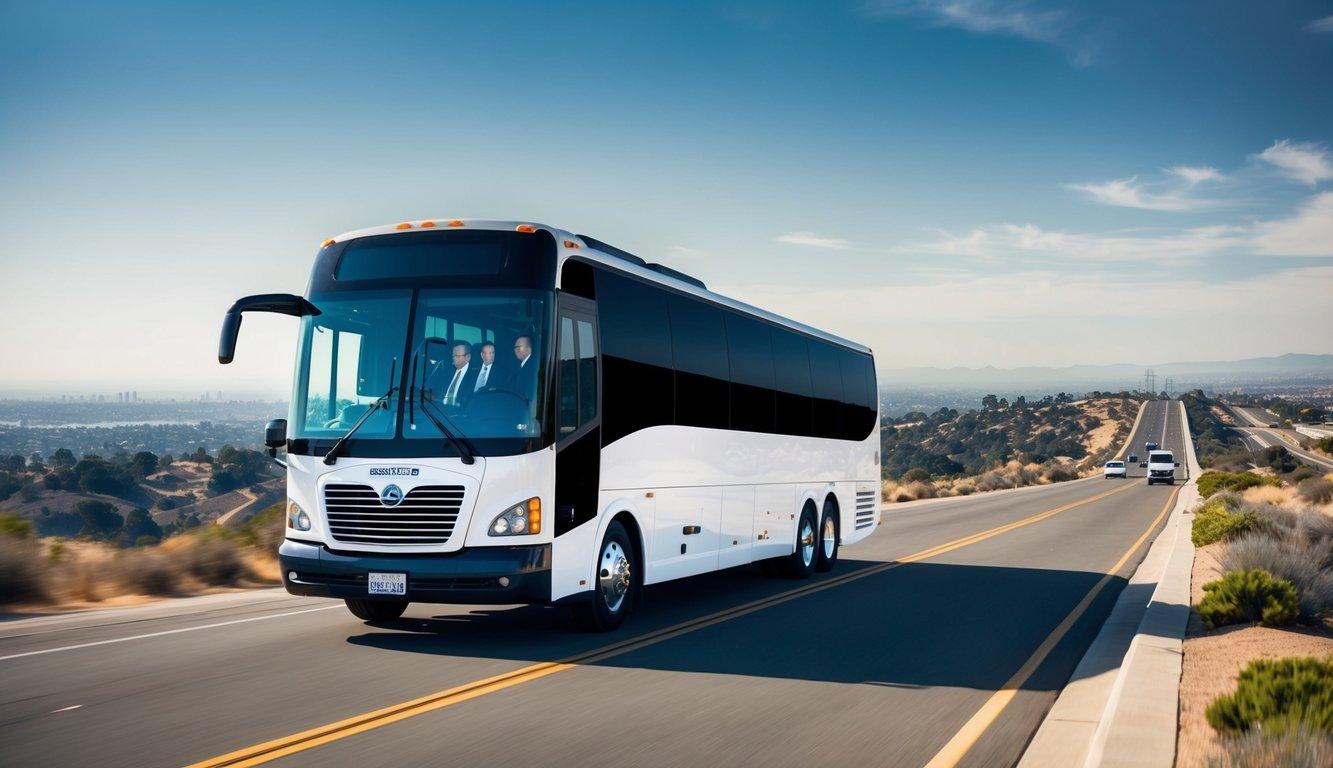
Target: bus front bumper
{"x":477,"y":576}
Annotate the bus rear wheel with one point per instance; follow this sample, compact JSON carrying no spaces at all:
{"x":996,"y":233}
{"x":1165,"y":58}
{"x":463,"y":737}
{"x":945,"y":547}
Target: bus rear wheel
{"x":376,"y":610}
{"x":801,"y":563}
{"x":828,"y":539}
{"x":615,"y":585}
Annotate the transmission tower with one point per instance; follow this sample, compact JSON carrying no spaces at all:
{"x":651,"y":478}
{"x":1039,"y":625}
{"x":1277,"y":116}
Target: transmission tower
{"x":1168,"y":386}
{"x":1150,"y":382}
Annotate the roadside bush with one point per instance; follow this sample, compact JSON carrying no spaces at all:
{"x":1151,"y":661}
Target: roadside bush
{"x":1059,"y":472}
{"x":1277,"y":696}
{"x":1249,"y":596}
{"x":1300,"y":748}
{"x":1287,"y":554}
{"x":1213,"y":481}
{"x":214,"y":561}
{"x":21,"y":571}
{"x":15,"y":526}
{"x":916,"y":475}
{"x":1316,"y":490}
{"x":1222,"y":519}
{"x":147,"y":573}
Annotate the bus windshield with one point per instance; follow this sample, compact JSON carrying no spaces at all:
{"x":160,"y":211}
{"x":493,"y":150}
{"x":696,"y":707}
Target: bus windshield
{"x":466,"y":361}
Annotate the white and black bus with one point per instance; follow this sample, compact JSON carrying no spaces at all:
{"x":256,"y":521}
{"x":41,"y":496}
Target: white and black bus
{"x":496,"y":413}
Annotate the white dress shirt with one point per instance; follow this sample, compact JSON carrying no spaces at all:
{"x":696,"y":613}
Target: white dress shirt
{"x":482,"y":376}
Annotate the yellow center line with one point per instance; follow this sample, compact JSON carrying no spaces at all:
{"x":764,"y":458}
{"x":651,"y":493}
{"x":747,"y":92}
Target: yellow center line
{"x":299,"y":742}
{"x":966,"y":737}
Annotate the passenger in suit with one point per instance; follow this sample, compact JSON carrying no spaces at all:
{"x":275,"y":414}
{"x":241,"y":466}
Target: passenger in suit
{"x":523,"y":378}
{"x":487,"y":376}
{"x":457,"y":391}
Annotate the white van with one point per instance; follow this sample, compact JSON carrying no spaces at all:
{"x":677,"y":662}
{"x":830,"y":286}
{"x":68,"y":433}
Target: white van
{"x":1161,"y":467}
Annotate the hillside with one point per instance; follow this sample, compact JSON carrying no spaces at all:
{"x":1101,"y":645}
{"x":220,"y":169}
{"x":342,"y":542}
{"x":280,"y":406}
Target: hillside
{"x":1003,"y":444}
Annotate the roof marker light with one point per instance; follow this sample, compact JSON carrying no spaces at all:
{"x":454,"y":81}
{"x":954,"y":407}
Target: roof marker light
{"x":327,"y":243}
{"x":403,"y":226}
{"x":454,"y":223}
{"x":571,"y":244}
{"x":427,"y":224}
{"x":525,"y":228}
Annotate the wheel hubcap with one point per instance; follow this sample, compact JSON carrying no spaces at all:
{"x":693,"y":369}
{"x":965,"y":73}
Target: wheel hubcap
{"x":807,"y":542}
{"x":614,"y":575}
{"x":830,"y":537}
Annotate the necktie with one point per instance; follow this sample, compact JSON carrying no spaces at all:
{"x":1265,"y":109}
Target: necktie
{"x":481,"y":378}
{"x":451,"y":394}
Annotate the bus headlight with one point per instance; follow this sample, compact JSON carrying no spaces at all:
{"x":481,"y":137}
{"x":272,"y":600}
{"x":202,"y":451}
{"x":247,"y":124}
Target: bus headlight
{"x":297,"y":519}
{"x":519,"y":520}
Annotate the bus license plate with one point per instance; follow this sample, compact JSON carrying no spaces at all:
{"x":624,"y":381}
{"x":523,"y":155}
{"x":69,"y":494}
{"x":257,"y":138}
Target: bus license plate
{"x":387,"y":583}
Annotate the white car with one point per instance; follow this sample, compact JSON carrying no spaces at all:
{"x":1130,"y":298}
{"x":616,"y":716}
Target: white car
{"x":1115,"y":469}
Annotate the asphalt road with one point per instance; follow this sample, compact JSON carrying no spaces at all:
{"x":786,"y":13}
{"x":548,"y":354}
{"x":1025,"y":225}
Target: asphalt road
{"x":944,"y":636}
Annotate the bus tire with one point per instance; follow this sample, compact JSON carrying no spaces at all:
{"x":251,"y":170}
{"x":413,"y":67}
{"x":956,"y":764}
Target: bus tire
{"x":827,"y":554}
{"x":375,"y":610}
{"x":801,"y":563}
{"x":615,"y":584}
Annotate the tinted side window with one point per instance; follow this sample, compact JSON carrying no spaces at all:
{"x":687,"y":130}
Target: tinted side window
{"x":826,"y":384}
{"x":858,"y":411}
{"x":637,"y":379}
{"x":699,"y":351}
{"x":791,"y":370}
{"x":750,"y":350}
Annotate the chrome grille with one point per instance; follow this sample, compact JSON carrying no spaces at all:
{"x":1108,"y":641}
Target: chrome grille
{"x":426,"y":515}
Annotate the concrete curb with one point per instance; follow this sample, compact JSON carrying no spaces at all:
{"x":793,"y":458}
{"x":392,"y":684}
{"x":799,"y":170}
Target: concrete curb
{"x":1120,"y":705}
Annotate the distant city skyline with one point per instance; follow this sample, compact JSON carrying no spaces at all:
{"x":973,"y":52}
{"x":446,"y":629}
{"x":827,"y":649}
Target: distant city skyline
{"x":965,"y":183}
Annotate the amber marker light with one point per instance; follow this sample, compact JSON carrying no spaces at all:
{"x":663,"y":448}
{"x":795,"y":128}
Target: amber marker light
{"x":327,"y":243}
{"x":571,"y":244}
{"x":403,"y":226}
{"x":525,"y":228}
{"x":534,"y":515}
{"x":454,"y":223}
{"x":427,"y":224}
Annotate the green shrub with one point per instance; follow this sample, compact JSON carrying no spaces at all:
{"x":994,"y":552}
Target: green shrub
{"x":1277,"y":695}
{"x":916,"y":475}
{"x":1221,"y":520}
{"x":1213,"y":481}
{"x":1249,"y":596}
{"x":1299,"y":748}
{"x":21,"y":572}
{"x":1288,"y":553}
{"x":13,"y":525}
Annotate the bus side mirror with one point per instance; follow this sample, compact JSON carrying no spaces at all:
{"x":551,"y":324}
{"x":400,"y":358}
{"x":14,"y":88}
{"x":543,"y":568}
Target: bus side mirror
{"x":280,"y":303}
{"x":275,"y":433}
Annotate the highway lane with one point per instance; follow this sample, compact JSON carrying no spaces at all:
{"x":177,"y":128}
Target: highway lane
{"x":883,"y":660}
{"x":1258,"y":435}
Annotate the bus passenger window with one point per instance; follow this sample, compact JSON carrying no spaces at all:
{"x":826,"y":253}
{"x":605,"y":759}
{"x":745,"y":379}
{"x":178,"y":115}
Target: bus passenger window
{"x":569,"y":379}
{"x":587,"y":373}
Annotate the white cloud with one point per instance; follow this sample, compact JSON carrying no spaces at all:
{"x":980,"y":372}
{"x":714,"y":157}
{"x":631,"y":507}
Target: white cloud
{"x":1131,"y":193}
{"x":1015,"y":19}
{"x":1303,"y":161}
{"x":813,"y":240}
{"x":1321,"y":25}
{"x":1308,"y":233}
{"x":1028,"y":242}
{"x":1192,"y":175}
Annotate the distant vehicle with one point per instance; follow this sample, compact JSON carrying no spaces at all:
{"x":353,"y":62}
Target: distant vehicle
{"x":591,"y":461}
{"x":1274,"y":424}
{"x":1161,"y":467}
{"x":1150,"y":447}
{"x":1114,"y":469}
{"x":1133,"y":458}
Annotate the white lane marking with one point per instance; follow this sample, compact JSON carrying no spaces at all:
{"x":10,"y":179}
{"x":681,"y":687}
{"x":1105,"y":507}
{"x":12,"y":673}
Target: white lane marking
{"x":64,"y":709}
{"x":165,"y":632}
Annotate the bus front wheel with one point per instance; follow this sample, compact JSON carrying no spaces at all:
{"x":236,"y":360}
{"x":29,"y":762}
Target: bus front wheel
{"x":376,"y":610}
{"x":615,"y":584}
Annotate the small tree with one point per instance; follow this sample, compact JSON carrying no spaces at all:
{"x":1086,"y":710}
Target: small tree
{"x":63,"y":457}
{"x":140,"y":525}
{"x":100,"y":519}
{"x":143,"y":464}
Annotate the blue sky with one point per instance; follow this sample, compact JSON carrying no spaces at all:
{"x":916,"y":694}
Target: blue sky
{"x":955,"y":183}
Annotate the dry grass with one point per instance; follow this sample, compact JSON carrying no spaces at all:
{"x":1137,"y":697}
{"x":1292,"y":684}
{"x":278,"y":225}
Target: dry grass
{"x":1014,"y":474}
{"x":1268,"y":494}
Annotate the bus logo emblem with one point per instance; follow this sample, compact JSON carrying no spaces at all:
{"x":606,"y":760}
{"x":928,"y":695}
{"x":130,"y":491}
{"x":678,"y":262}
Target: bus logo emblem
{"x":391,"y":496}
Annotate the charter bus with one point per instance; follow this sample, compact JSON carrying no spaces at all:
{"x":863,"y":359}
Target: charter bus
{"x":489,"y":412}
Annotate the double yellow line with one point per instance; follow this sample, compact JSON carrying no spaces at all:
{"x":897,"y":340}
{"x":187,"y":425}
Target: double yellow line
{"x":299,"y":742}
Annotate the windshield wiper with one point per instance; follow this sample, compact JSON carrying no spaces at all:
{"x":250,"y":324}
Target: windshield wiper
{"x":381,"y":402}
{"x":464,"y":446}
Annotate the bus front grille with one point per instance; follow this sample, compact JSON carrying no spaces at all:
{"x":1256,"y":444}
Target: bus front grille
{"x":426,"y":515}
